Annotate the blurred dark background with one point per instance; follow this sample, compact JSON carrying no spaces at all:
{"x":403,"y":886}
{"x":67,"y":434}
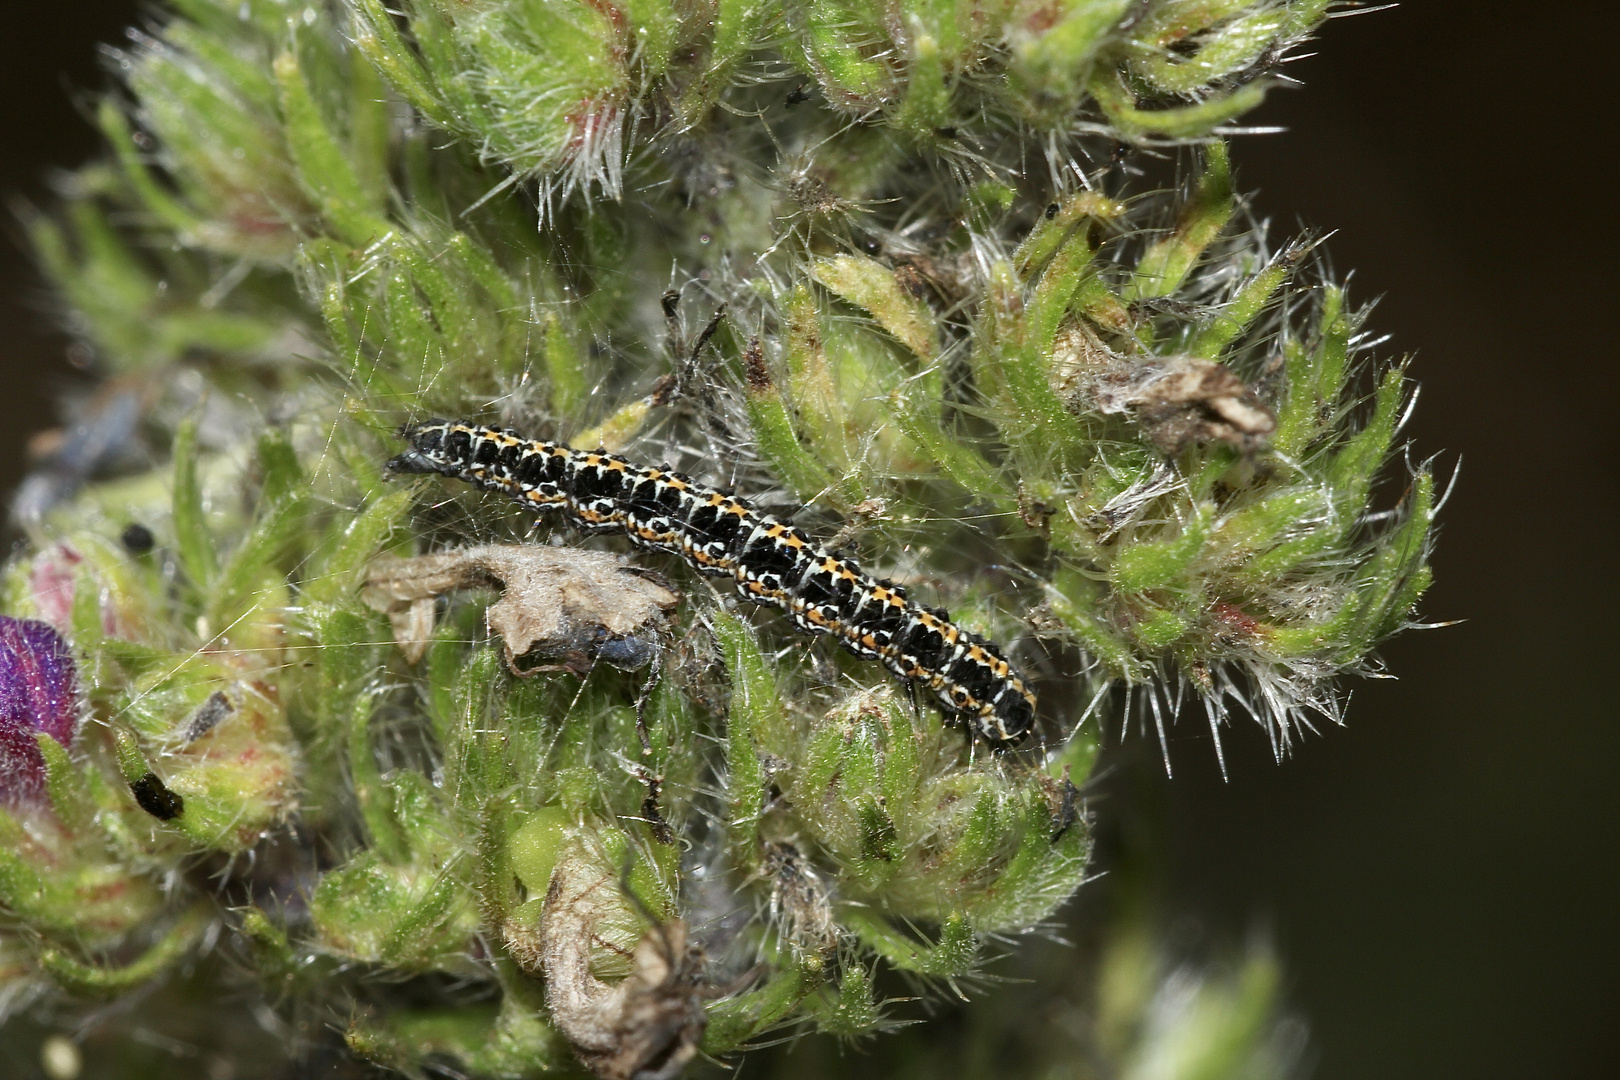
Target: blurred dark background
{"x":1441,"y":875}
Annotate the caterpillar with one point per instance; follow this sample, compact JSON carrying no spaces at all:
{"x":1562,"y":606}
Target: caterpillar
{"x":773,"y":562}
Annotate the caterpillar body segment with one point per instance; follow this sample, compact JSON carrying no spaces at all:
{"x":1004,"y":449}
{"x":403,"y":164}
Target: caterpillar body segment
{"x":772,"y":562}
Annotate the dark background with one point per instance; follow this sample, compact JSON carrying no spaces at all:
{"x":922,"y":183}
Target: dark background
{"x":1440,"y":875}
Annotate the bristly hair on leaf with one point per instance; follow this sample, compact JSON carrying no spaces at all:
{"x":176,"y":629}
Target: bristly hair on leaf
{"x":941,"y":327}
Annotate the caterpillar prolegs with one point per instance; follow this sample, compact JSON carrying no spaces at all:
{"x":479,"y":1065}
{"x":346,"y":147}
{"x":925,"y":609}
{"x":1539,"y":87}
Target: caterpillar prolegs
{"x":772,"y":562}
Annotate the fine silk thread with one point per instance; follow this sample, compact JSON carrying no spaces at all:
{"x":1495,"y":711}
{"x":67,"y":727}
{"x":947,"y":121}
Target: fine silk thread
{"x":772,"y":562}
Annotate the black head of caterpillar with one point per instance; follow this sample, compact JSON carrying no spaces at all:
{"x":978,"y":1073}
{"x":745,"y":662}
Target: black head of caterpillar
{"x":771,"y":561}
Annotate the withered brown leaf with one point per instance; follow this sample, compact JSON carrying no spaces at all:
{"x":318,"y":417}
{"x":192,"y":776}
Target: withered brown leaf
{"x":647,"y":1025}
{"x":1178,"y":400}
{"x":567,"y":603}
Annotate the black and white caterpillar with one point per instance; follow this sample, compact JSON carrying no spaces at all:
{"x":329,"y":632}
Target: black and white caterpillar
{"x":772,"y":561}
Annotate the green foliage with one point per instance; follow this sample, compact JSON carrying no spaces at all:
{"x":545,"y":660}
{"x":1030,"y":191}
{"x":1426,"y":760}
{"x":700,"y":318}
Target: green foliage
{"x":945,"y":333}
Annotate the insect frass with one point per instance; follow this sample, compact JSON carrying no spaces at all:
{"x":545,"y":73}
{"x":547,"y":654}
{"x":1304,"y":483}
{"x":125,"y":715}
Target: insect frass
{"x":771,"y":561}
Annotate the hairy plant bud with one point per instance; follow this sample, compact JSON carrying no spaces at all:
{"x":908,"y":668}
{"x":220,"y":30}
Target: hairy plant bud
{"x":38,"y":694}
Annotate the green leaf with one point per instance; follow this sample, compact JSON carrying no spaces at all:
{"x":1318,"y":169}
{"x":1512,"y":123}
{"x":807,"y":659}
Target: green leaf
{"x":193,"y":537}
{"x":324,"y":169}
{"x":1165,"y":265}
{"x":1158,"y":564}
{"x":97,"y":980}
{"x":754,"y":711}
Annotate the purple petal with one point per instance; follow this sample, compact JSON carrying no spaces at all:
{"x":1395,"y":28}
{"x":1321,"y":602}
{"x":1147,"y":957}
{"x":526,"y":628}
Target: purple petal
{"x":38,"y":692}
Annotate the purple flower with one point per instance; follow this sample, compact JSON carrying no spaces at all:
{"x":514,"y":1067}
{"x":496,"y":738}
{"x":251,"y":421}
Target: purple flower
{"x":38,"y":692}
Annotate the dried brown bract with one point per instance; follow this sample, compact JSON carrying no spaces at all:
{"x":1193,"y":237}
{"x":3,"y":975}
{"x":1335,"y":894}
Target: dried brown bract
{"x":652,"y":811}
{"x":1063,"y":799}
{"x":755,"y":369}
{"x":574,"y":605}
{"x":1178,"y":400}
{"x":1186,"y":401}
{"x":810,"y":190}
{"x":800,"y":900}
{"x":943,"y":281}
{"x":647,"y":1025}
